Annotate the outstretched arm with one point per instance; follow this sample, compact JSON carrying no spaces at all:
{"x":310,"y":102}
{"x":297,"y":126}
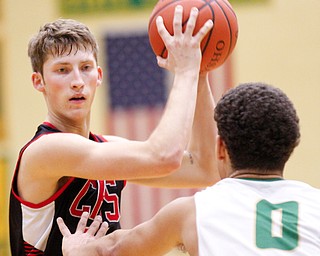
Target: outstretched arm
{"x":174,"y":225}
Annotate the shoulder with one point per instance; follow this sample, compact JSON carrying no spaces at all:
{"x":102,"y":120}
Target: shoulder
{"x":51,"y":148}
{"x":58,"y":139}
{"x":179,"y":210}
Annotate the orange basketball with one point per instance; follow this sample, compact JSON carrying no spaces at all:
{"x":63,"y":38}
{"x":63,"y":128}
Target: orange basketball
{"x":219,"y":42}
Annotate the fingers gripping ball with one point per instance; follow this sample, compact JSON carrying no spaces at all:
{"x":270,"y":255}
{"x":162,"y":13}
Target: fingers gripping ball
{"x":217,"y":45}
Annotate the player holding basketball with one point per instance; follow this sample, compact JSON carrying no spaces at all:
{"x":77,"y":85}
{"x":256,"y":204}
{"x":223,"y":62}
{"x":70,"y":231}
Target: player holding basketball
{"x":253,"y":210}
{"x":66,"y":170}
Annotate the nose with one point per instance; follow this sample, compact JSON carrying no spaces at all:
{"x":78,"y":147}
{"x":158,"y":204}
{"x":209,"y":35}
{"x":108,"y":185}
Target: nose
{"x":77,"y":81}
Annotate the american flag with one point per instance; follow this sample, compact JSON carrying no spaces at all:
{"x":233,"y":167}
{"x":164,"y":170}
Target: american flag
{"x":137,"y":92}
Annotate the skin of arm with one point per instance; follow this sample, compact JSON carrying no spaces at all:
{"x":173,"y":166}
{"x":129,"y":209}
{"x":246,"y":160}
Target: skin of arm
{"x":174,"y":225}
{"x":198,"y":166}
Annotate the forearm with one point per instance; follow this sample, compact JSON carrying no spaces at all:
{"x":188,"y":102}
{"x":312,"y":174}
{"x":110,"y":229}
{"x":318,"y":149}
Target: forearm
{"x":174,"y":129}
{"x":204,"y":132}
{"x":103,"y":246}
{"x":88,"y":249}
{"x":204,"y":129}
{"x":144,"y":239}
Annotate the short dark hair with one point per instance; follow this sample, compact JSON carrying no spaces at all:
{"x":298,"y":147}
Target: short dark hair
{"x":259,"y":126}
{"x":59,"y":37}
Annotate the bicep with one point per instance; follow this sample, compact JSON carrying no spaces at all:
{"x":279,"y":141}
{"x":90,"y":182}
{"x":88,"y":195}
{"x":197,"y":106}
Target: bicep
{"x":72,"y":155}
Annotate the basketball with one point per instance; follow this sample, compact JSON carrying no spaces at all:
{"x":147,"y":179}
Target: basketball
{"x":220,"y":41}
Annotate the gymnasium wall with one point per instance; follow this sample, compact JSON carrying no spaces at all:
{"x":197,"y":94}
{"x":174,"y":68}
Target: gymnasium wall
{"x":279,"y":43}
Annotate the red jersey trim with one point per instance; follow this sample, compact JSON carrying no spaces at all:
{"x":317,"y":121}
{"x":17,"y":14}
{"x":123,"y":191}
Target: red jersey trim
{"x":50,"y":125}
{"x":50,"y":199}
{"x":47,"y":201}
{"x":31,"y":250}
{"x":63,"y":188}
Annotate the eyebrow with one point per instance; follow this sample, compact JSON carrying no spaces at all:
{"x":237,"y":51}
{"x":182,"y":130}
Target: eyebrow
{"x":68,"y":63}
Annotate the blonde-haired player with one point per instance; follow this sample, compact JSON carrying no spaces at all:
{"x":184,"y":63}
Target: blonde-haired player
{"x":65,"y":169}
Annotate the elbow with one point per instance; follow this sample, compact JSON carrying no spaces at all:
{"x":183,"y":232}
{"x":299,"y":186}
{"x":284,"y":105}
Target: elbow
{"x":170,"y":161}
{"x":164,"y":158}
{"x":175,"y":161}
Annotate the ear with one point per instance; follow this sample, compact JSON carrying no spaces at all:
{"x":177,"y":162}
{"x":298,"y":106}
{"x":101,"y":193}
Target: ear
{"x":37,"y":81}
{"x":223,"y":158}
{"x":100,"y":76}
{"x":221,"y":150}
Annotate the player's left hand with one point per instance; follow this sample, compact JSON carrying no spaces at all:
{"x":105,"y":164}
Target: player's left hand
{"x":184,"y":51}
{"x":82,"y":236}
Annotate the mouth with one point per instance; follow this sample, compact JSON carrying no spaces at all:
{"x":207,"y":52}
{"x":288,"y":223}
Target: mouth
{"x":78,"y":98}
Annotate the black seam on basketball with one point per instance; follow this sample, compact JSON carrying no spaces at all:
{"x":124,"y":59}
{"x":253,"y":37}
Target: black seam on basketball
{"x":163,"y":7}
{"x":229,"y":27}
{"x":229,"y":7}
{"x":211,"y":31}
{"x":162,"y":54}
{"x":206,"y":4}
{"x":153,"y":17}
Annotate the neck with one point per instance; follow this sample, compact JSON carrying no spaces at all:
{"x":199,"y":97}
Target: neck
{"x":68,"y":127}
{"x":255,"y":174}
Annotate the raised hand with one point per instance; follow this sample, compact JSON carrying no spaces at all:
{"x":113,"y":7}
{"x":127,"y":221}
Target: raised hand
{"x":184,"y":51}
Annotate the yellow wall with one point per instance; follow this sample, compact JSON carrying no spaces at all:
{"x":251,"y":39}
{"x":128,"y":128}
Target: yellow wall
{"x":279,"y":43}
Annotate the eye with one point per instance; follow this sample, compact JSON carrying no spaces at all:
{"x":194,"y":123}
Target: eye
{"x":86,"y":67}
{"x":62,"y":70}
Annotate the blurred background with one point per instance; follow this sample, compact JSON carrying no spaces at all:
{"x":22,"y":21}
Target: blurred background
{"x":278,"y":43}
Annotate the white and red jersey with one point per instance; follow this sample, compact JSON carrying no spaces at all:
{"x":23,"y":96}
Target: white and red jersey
{"x":33,"y":227}
{"x":258,"y":217}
